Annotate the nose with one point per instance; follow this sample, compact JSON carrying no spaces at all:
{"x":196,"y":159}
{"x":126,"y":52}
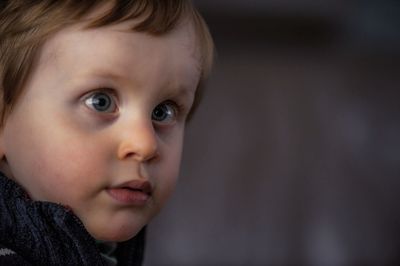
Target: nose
{"x":138,"y":142}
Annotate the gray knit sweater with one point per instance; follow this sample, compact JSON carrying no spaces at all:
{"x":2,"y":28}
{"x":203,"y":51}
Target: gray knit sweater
{"x":44,"y":233}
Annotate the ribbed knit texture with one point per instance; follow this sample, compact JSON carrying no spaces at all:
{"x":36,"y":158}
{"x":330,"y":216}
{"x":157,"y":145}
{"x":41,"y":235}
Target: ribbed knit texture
{"x":44,"y":233}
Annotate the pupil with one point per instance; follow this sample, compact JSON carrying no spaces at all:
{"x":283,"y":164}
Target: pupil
{"x":159,"y":113}
{"x":101,"y":102}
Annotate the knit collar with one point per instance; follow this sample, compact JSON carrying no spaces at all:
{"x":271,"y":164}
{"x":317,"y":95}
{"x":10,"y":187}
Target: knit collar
{"x":107,"y":251}
{"x":46,"y":233}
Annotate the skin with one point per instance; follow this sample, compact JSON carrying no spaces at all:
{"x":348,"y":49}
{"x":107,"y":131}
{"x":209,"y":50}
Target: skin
{"x":60,"y":148}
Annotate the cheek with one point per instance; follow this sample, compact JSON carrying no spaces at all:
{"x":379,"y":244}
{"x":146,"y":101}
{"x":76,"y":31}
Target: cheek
{"x":168,"y":173}
{"x":51,"y":164}
{"x":77,"y":162}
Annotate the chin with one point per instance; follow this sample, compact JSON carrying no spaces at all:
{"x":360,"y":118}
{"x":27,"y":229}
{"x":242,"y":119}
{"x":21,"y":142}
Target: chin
{"x":116,"y":234}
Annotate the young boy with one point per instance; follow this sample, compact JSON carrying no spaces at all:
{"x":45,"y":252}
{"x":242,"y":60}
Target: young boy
{"x":95,"y":96}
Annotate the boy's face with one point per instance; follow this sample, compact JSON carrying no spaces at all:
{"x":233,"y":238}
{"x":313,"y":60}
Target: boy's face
{"x":103,"y":114}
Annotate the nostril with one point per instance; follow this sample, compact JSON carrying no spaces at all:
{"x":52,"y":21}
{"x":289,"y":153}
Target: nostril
{"x":140,"y":157}
{"x":141,"y":147}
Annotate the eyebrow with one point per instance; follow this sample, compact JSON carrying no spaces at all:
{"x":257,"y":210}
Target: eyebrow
{"x":180,"y":91}
{"x":102,"y":73}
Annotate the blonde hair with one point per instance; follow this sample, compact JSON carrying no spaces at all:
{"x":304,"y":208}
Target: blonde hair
{"x":26,"y":25}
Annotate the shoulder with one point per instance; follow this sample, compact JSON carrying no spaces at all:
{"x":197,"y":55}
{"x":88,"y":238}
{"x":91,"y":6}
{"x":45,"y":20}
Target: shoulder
{"x":10,"y":257}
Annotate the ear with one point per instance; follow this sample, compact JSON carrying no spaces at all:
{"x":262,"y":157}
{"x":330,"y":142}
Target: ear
{"x":3,"y":161}
{"x":3,"y":119}
{"x":4,"y":167}
{"x":2,"y":124}
{"x":2,"y":152}
{"x":2,"y":142}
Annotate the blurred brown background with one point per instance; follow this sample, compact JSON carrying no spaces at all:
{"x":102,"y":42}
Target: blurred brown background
{"x":294,"y":156}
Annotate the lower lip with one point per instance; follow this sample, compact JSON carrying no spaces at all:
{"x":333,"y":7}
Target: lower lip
{"x":129,"y":196}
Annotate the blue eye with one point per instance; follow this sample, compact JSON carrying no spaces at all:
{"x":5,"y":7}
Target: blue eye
{"x":101,"y":102}
{"x":164,"y":113}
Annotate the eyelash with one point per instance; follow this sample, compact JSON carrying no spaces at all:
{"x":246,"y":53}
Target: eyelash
{"x":178,"y":109}
{"x":111,"y":95}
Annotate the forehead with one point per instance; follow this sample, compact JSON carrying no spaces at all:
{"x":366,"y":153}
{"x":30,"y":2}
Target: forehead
{"x":76,"y":49}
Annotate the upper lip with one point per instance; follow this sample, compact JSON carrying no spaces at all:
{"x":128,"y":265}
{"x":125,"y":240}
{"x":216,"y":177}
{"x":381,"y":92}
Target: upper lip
{"x":137,"y":184}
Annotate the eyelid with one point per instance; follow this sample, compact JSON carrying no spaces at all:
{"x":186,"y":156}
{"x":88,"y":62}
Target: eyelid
{"x":180,"y":108}
{"x":104,"y":90}
{"x":169,"y":120}
{"x":180,"y":114}
{"x":111,"y":92}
